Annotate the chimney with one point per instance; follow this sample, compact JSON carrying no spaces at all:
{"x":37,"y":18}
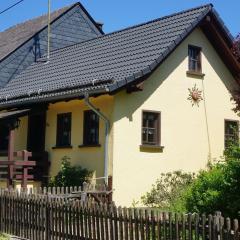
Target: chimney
{"x":100,"y":25}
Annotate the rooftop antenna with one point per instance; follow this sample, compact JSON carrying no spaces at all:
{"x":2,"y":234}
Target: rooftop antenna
{"x":49,"y":30}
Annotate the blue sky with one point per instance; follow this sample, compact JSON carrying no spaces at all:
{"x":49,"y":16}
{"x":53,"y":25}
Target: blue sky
{"x":117,"y":14}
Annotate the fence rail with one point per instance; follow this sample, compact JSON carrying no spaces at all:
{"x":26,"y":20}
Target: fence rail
{"x":39,"y":217}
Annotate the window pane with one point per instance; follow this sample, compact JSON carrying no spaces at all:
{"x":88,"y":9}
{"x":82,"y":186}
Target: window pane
{"x":152,"y":135}
{"x":144,"y":135}
{"x":194,"y":55}
{"x":91,"y":128}
{"x":150,"y":128}
{"x":64,"y":129}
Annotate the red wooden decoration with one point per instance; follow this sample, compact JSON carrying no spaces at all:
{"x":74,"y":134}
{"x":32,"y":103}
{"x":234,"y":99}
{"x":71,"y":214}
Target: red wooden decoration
{"x":12,"y":164}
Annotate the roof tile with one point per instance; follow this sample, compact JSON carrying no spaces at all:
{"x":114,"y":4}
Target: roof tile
{"x":123,"y":56}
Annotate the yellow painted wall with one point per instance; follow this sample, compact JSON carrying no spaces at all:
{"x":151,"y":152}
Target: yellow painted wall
{"x":20,"y":140}
{"x":183,"y":127}
{"x":89,"y":157}
{"x":21,"y":135}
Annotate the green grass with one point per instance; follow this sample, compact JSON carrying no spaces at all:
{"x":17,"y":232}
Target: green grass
{"x":4,"y":236}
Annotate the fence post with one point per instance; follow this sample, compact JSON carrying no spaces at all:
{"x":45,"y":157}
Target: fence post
{"x":1,"y":211}
{"x":235,"y":229}
{"x":47,"y":219}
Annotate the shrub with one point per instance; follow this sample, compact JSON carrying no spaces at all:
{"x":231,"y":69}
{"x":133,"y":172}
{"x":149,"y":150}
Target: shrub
{"x":218,"y":188}
{"x":168,"y":193}
{"x":70,"y":175}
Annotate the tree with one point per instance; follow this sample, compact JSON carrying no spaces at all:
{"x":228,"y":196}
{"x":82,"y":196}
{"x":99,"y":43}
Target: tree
{"x":236,"y":53}
{"x":236,"y":48}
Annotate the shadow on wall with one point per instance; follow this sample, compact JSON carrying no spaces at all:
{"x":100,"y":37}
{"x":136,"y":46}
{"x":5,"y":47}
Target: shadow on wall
{"x":131,"y":102}
{"x":218,"y":66}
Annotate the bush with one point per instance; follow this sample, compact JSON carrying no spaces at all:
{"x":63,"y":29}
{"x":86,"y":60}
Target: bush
{"x":70,"y":175}
{"x":218,"y":188}
{"x":215,"y":189}
{"x":168,"y":193}
{"x":4,"y":236}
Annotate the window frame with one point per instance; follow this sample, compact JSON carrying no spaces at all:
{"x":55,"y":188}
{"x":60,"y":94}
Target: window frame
{"x":199,"y":49}
{"x":158,"y":134}
{"x":238,"y":134}
{"x":58,"y":140}
{"x":87,"y":127}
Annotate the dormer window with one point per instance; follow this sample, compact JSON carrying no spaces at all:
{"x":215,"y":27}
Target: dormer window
{"x":194,"y":59}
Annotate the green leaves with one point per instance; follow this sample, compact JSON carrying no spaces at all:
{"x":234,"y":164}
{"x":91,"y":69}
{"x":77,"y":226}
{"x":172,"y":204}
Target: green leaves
{"x":218,"y":188}
{"x":215,"y":189}
{"x":70,"y":176}
{"x":168,"y":193}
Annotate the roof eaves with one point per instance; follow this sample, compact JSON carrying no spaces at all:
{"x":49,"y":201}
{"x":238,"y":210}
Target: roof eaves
{"x":50,"y":97}
{"x":222,"y":24}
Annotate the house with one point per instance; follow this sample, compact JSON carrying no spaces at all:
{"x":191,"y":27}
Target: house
{"x":25,"y":43}
{"x":131,"y":104}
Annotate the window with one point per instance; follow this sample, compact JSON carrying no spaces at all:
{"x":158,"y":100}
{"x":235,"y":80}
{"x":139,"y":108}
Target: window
{"x":194,"y":59}
{"x":150,"y":128}
{"x":91,"y":128}
{"x":64,"y":129}
{"x":4,"y":136}
{"x":231,"y":133}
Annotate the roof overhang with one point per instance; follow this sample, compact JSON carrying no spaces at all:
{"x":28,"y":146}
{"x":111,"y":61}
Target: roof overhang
{"x":222,"y":41}
{"x":10,"y":115}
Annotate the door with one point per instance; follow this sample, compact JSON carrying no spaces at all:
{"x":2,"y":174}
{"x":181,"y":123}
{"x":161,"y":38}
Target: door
{"x":36,"y":145}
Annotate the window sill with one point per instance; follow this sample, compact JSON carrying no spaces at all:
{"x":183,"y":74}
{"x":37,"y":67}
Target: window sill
{"x":62,"y":147}
{"x":195,"y":74}
{"x":89,"y":145}
{"x":152,"y":148}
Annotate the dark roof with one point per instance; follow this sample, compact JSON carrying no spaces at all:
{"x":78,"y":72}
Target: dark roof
{"x":15,"y":36}
{"x":105,"y":63}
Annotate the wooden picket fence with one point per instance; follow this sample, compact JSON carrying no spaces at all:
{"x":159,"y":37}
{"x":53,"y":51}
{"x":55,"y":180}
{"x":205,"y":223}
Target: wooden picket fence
{"x":41,"y":217}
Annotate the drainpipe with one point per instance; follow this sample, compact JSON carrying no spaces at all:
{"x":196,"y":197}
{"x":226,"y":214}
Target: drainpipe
{"x":107,"y":127}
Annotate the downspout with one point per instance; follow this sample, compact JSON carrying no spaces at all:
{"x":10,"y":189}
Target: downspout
{"x":107,"y":127}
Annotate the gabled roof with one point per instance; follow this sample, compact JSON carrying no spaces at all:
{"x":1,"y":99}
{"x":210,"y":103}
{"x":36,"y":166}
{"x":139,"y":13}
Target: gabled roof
{"x":106,"y":63}
{"x":13,"y":37}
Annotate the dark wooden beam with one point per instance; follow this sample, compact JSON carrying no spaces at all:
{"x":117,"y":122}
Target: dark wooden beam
{"x":223,"y":47}
{"x":136,"y":87}
{"x":10,"y":158}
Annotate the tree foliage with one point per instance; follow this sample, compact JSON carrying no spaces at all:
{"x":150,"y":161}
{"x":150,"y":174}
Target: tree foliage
{"x":236,"y":53}
{"x":236,"y":48}
{"x":218,"y":188}
{"x":168,"y":193}
{"x":69,"y":176}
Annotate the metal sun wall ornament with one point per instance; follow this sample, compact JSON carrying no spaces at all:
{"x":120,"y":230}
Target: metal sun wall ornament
{"x":195,"y":95}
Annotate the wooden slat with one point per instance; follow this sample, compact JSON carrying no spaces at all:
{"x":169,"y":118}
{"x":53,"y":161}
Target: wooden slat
{"x":38,"y":217}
